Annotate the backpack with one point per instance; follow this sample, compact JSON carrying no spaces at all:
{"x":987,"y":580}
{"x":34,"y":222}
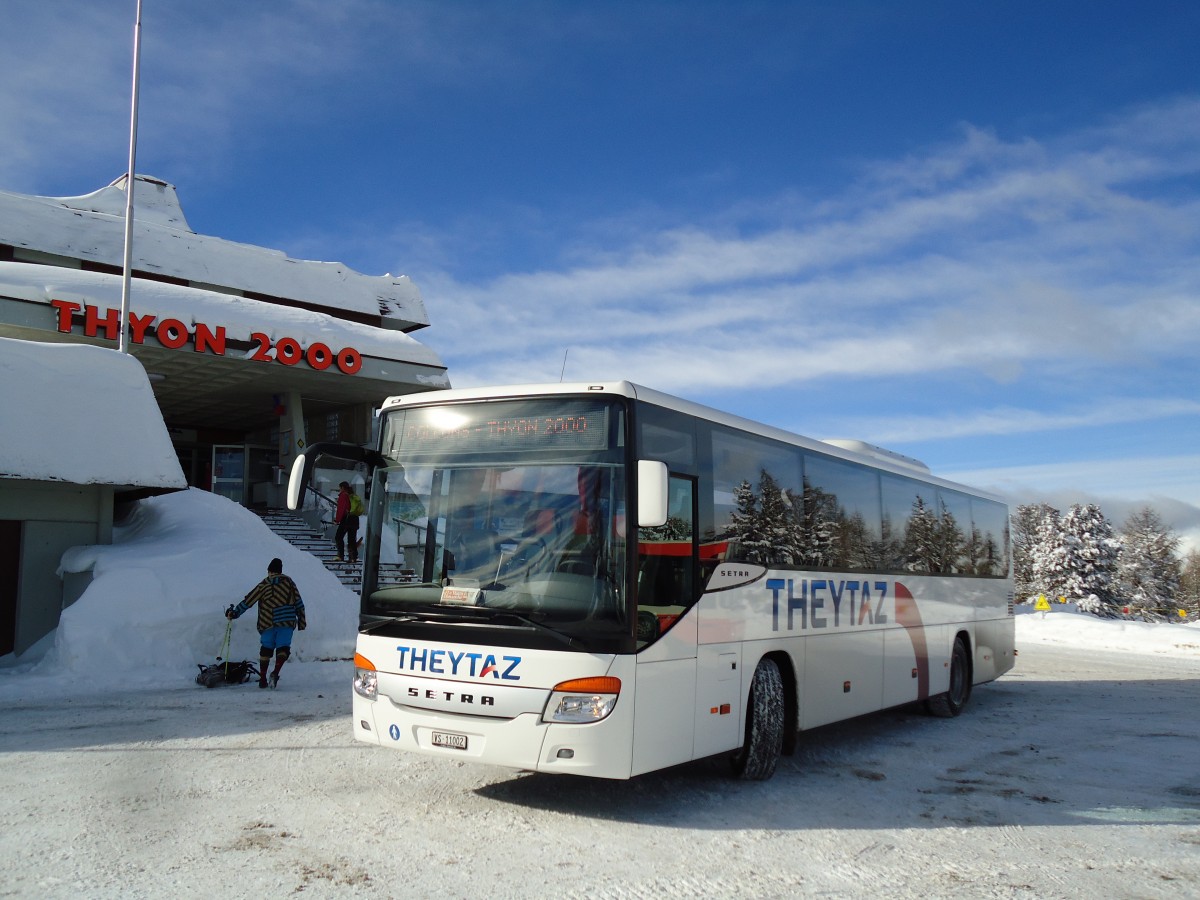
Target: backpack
{"x":356,"y":505}
{"x":226,"y":673}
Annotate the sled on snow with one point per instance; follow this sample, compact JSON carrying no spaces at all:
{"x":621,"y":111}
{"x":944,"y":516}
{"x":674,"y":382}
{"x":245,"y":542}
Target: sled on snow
{"x":226,"y":673}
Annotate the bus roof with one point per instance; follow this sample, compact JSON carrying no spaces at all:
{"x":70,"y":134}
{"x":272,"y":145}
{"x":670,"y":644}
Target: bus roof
{"x":852,"y":450}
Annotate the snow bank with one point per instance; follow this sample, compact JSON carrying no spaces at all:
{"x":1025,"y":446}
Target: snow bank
{"x":155,"y":607}
{"x":1066,"y":626}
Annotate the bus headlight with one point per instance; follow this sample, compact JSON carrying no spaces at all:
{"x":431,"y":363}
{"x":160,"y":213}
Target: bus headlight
{"x":366,"y":679}
{"x":582,"y":700}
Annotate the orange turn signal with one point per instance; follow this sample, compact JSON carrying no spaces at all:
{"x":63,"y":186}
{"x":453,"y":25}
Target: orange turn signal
{"x":361,"y":662}
{"x":600,"y":684}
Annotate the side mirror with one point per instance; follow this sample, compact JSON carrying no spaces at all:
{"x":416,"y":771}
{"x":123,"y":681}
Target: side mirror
{"x":303,"y":465}
{"x":296,"y":480}
{"x":652,"y":490}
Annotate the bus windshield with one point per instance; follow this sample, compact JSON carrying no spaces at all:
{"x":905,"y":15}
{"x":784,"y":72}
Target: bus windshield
{"x":501,"y":513}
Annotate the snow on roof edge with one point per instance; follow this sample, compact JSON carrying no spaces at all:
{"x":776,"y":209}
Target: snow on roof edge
{"x":91,"y":227}
{"x":240,"y":316}
{"x":83,"y":415}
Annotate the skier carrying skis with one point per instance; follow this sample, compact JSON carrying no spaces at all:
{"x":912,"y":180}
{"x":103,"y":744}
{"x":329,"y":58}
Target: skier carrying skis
{"x":280,"y":612}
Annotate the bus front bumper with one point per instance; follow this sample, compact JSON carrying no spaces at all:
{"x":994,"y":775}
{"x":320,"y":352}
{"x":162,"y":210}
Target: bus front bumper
{"x":522,"y":742}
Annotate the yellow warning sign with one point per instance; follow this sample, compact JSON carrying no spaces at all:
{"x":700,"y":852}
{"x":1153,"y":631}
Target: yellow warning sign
{"x":1042,"y":605}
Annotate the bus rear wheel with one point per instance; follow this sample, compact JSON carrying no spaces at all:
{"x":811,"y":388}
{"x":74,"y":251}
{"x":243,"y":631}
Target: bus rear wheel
{"x":951,"y":703}
{"x":757,"y":758}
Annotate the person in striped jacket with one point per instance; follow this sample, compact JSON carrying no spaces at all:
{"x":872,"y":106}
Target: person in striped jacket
{"x":280,"y":613}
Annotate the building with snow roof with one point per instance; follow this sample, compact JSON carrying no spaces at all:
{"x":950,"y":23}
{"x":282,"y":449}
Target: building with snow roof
{"x":251,"y":354}
{"x":82,"y":437}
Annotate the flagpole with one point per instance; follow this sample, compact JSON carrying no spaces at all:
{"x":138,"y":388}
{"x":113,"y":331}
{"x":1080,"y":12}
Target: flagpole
{"x":123,"y":346}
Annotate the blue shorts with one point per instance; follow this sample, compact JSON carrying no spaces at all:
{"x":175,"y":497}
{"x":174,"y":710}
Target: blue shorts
{"x":274,"y":638}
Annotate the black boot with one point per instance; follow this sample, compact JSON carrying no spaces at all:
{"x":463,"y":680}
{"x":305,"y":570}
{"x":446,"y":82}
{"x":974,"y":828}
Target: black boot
{"x":281,"y":656}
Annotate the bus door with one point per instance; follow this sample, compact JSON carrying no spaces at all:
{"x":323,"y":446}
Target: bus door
{"x":667,"y":572}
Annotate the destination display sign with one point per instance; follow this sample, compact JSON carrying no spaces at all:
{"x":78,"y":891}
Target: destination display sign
{"x":515,"y":425}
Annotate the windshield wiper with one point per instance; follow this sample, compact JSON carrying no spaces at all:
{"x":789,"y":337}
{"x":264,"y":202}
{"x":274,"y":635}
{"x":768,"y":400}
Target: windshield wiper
{"x":476,"y":615}
{"x":533,"y":623}
{"x":427,"y":614}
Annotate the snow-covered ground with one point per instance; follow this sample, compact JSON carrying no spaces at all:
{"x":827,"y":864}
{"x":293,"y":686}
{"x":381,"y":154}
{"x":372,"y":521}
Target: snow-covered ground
{"x":1075,"y":775}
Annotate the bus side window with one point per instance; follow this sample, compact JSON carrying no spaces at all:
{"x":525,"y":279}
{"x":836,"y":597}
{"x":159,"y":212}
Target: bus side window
{"x":666,"y":553}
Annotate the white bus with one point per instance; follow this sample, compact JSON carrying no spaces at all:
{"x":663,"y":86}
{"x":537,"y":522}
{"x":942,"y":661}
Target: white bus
{"x":605,"y":580}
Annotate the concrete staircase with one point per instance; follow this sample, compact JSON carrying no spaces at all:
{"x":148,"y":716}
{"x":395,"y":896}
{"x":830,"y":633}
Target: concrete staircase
{"x":293,"y":529}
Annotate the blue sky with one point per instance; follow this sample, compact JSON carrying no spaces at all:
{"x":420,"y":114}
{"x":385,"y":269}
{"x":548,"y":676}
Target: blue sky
{"x":968,"y":232}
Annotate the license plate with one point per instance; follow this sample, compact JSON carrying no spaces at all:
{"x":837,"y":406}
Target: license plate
{"x":452,"y":741}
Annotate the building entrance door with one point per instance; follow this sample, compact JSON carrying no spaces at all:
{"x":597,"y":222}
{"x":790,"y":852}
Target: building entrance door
{"x":229,"y":471}
{"x":244,"y":473}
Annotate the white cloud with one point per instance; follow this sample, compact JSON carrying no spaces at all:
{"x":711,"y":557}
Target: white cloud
{"x":985,"y":257}
{"x":1133,"y":480}
{"x":1062,"y":274}
{"x":1013,"y":420}
{"x":1120,"y":487}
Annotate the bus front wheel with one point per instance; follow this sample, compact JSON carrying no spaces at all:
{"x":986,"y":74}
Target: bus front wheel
{"x":757,"y":758}
{"x":951,"y":703}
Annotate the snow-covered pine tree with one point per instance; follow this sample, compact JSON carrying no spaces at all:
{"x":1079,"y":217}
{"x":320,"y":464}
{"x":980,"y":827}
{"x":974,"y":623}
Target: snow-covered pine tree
{"x":674,"y":529}
{"x":1189,"y":585}
{"x":891,"y":544}
{"x":922,"y":540}
{"x":745,"y":532}
{"x":859,"y":550}
{"x":975,"y":556}
{"x":1047,"y":555}
{"x":1147,"y":568}
{"x":992,"y":558}
{"x":818,"y":527}
{"x":795,"y":527}
{"x":949,"y":541}
{"x":1026,"y":522}
{"x":777,"y":522}
{"x":1090,"y":562}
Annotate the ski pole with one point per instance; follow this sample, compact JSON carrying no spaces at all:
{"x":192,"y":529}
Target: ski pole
{"x":223,"y":655}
